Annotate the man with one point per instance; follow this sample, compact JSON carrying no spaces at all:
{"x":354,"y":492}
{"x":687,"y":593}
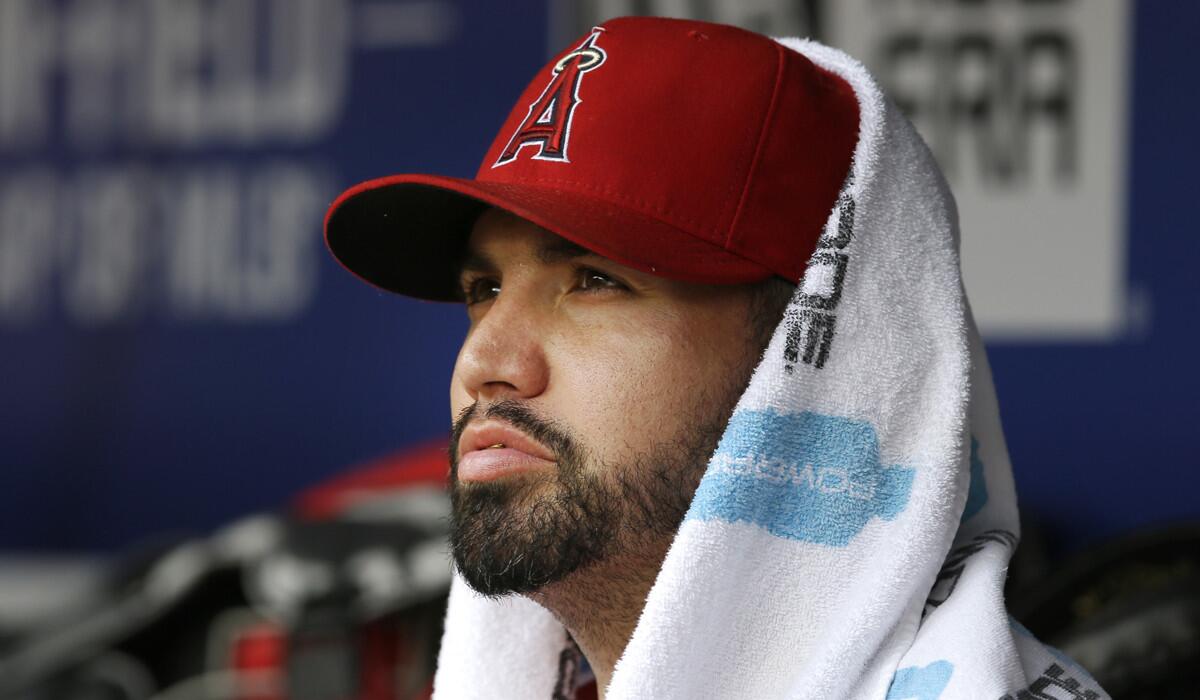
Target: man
{"x":625,"y":255}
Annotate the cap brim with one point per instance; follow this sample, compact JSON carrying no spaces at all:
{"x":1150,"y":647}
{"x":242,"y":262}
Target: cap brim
{"x":407,"y":233}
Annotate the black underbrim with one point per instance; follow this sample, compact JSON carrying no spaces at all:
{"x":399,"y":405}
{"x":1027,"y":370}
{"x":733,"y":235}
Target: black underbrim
{"x":406,"y":238}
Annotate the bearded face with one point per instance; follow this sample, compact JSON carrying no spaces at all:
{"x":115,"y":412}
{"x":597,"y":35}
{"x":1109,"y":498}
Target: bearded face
{"x":588,"y":398}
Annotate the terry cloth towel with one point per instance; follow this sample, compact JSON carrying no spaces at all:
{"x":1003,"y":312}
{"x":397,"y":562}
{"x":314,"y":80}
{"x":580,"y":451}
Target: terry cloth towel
{"x":850,"y":536}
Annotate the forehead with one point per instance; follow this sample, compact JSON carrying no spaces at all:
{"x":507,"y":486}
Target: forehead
{"x":498,"y":234}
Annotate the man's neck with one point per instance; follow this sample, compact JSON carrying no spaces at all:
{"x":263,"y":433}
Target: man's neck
{"x":600,"y":606}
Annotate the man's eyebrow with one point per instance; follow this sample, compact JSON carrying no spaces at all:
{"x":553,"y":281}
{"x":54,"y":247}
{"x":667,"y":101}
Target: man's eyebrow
{"x":474,"y":261}
{"x":560,"y":250}
{"x":551,"y":252}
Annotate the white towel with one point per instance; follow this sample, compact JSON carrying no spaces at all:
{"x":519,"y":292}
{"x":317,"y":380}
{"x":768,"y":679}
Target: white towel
{"x":851,"y":534}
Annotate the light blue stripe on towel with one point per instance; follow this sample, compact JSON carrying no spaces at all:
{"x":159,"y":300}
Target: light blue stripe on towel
{"x":926,"y":683}
{"x":803,"y":476}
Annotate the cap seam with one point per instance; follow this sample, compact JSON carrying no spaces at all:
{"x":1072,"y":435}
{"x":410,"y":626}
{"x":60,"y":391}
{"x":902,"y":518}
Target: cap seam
{"x":658,"y":219}
{"x":643,"y":207}
{"x":762,"y":137}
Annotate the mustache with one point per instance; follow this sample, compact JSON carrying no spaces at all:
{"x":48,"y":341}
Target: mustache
{"x":555,"y":438}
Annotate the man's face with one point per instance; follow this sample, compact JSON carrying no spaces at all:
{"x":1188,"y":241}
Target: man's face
{"x":588,"y":397}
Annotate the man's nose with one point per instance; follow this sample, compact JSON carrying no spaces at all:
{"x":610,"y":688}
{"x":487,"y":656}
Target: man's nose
{"x":504,"y":354}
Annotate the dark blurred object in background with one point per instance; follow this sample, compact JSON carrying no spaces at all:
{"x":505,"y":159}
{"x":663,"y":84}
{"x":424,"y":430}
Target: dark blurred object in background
{"x":1127,"y":610}
{"x":341,"y":598}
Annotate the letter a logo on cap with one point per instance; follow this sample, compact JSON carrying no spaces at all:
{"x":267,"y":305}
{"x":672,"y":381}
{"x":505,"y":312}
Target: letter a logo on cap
{"x":548,"y":124}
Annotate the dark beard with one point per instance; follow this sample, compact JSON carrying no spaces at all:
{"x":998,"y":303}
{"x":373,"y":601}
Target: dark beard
{"x":521,"y":533}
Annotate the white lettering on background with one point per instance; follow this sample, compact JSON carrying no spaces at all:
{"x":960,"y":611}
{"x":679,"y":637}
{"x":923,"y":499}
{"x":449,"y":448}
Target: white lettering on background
{"x":27,"y":226}
{"x":186,"y":73}
{"x":119,"y":200}
{"x":123,"y":243}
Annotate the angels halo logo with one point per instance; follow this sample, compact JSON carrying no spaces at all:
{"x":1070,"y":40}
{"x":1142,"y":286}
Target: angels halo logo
{"x":548,"y":123}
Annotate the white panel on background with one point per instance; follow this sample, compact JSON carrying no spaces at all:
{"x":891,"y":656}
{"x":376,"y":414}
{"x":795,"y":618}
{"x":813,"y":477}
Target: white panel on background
{"x":1024,"y":104}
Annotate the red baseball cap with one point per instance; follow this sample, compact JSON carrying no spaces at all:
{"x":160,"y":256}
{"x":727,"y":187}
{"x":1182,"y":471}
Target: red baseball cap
{"x":691,"y":150}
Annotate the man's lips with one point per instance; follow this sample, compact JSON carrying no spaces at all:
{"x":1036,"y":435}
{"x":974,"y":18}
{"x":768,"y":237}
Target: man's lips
{"x":491,"y":449}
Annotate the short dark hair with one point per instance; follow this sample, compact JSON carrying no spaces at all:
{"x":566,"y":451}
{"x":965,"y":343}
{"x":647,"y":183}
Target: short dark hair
{"x":768,"y":300}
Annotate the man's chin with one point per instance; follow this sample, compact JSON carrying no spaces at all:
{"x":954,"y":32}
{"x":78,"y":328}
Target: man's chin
{"x":491,"y":584}
{"x":521,"y":534}
{"x":499,"y":576}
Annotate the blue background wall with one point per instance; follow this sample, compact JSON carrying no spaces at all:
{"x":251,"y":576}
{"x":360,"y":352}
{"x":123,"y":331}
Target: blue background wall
{"x":1102,"y":435}
{"x":155,"y":419}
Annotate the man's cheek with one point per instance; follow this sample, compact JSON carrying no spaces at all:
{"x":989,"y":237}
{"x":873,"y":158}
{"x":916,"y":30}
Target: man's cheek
{"x":655,"y":396}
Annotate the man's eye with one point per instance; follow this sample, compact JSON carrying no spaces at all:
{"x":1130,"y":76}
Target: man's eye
{"x":480,"y":289}
{"x":595,"y":280}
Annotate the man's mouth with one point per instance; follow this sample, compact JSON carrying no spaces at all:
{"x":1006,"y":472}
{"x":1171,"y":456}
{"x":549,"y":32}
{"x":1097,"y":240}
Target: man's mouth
{"x":491,"y":449}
